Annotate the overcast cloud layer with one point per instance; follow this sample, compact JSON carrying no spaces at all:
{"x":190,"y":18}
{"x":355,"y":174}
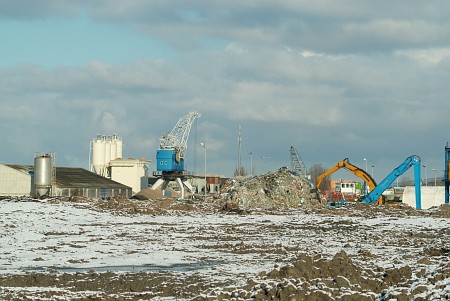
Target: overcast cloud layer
{"x":356,"y":79}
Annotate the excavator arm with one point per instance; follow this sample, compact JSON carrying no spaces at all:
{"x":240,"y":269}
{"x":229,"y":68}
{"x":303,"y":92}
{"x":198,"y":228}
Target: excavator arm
{"x":360,"y":173}
{"x":333,"y":169}
{"x":375,"y":194}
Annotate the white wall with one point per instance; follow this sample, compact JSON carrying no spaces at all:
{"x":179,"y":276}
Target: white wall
{"x":430,"y":196}
{"x":14,"y":182}
{"x":130,"y":172}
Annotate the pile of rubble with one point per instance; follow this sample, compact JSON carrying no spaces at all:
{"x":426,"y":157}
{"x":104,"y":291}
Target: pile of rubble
{"x":277,"y":190}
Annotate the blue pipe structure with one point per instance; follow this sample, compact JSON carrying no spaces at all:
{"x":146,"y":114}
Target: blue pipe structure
{"x":446,"y":172}
{"x":373,"y":196}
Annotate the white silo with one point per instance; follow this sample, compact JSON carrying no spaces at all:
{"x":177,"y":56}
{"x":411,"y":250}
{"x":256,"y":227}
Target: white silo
{"x":114,"y":147}
{"x":107,"y":150}
{"x":43,"y":174}
{"x":119,"y":147}
{"x":104,"y":149}
{"x":98,"y":154}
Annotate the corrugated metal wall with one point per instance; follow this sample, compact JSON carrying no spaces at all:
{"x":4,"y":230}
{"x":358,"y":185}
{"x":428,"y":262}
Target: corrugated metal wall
{"x":92,"y":192}
{"x":13,"y":182}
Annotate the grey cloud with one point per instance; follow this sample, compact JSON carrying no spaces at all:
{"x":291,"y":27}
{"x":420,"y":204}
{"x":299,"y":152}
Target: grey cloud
{"x":337,"y":80}
{"x":29,"y":10}
{"x":335,"y":27}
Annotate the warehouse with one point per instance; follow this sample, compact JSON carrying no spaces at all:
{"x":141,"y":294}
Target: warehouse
{"x":19,"y":180}
{"x":81,"y":182}
{"x":16,"y":180}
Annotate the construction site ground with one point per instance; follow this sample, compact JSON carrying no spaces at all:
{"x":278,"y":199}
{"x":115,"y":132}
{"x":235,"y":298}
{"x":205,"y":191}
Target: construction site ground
{"x":261,"y":238}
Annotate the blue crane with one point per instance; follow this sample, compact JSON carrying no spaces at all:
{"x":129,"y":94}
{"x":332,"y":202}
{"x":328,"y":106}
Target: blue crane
{"x":170,"y":155}
{"x":172,"y":147}
{"x":373,"y":196}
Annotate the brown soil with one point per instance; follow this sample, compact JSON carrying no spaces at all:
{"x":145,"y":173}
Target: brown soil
{"x":298,"y":275}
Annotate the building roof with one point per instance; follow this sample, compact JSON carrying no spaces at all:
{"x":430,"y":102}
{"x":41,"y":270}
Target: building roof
{"x":79,"y":177}
{"x":21,"y":168}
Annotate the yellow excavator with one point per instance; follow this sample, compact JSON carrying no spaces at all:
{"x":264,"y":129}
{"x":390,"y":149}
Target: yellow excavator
{"x":360,"y":173}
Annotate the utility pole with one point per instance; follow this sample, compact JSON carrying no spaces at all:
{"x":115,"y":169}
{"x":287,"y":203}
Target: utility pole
{"x":434,"y":169}
{"x":206,"y":183}
{"x":239,"y":151}
{"x":426,"y":179}
{"x":251,"y":162}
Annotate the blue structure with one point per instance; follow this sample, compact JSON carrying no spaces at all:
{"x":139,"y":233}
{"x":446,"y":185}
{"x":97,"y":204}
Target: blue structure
{"x":170,"y":155}
{"x":373,"y":196}
{"x":167,"y":161}
{"x":446,"y":172}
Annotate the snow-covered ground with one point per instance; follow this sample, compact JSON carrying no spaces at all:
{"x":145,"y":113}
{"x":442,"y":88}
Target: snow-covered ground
{"x":40,"y":236}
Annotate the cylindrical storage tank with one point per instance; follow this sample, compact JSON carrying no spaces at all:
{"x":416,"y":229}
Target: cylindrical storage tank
{"x":119,"y":147}
{"x":114,"y":147}
{"x":107,"y":150}
{"x":98,"y":155}
{"x":43,"y":174}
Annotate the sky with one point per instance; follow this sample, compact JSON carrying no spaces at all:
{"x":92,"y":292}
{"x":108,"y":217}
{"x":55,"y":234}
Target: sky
{"x":344,"y":79}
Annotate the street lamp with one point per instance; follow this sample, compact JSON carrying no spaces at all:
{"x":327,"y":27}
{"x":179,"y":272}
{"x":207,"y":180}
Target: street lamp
{"x":264,"y":158}
{"x":372,"y":170}
{"x":251,"y":162}
{"x":426,"y":178}
{"x":434,"y":169}
{"x":204,"y":147}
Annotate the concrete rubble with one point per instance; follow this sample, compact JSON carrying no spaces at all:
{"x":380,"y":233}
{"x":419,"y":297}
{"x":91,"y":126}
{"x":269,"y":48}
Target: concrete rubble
{"x":276,"y":190}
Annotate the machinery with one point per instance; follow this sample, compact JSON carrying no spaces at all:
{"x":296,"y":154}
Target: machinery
{"x":170,"y":155}
{"x":360,"y":173}
{"x":447,"y":173}
{"x":298,"y":167}
{"x":374,"y":196}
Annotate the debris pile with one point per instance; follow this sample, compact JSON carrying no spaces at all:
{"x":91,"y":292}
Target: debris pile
{"x":277,"y":190}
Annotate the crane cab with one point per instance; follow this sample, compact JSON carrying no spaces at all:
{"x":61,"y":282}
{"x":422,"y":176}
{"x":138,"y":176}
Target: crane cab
{"x":167,"y":161}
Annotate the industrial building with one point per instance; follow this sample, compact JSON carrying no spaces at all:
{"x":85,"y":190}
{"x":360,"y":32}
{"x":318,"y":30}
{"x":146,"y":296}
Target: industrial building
{"x":213,"y":183}
{"x":16,"y":180}
{"x":130,"y":172}
{"x":105,"y":159}
{"x":43,"y":179}
{"x":81,"y":182}
{"x":347,"y":186}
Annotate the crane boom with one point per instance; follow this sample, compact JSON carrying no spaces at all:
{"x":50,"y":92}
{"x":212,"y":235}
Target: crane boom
{"x":297,"y":164}
{"x":373,"y":196}
{"x":177,"y":138}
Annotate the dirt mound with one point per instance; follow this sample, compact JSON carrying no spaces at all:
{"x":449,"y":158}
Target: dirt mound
{"x":124,"y":206}
{"x":278,"y":190}
{"x":156,"y":194}
{"x":386,"y":253}
{"x":310,"y":277}
{"x":124,"y":286}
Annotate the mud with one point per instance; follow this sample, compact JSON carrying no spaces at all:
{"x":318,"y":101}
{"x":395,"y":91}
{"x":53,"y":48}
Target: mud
{"x":337,"y":257}
{"x":102,"y":286}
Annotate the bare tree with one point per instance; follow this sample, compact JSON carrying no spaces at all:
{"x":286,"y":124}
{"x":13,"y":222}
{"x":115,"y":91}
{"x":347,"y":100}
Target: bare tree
{"x":315,"y":171}
{"x":240,"y":171}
